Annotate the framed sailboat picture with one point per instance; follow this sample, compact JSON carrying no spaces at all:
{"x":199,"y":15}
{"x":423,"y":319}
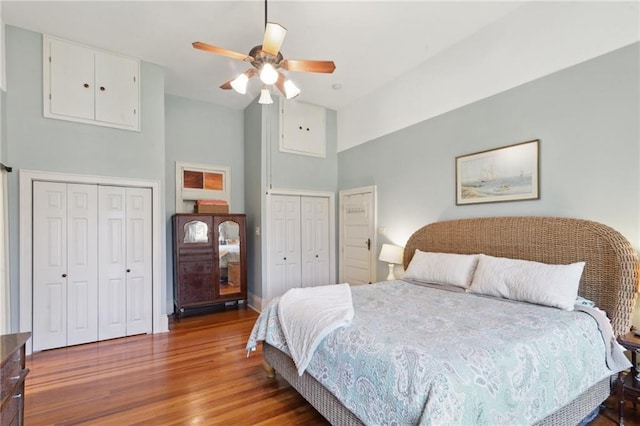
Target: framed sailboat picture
{"x":508,"y":173}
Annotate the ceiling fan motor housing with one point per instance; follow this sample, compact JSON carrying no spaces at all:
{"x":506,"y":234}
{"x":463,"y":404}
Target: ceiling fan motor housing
{"x":260,"y":57}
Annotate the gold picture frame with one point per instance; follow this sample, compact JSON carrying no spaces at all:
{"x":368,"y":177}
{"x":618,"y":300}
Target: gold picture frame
{"x":508,"y":173}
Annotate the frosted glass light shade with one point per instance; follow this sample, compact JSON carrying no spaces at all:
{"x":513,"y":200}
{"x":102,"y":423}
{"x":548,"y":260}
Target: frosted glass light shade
{"x":268,"y":74}
{"x":265,"y":97}
{"x":239,"y":83}
{"x":290,"y":89}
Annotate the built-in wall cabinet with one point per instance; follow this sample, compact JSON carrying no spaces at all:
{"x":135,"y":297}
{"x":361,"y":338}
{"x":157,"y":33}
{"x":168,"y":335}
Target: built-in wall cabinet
{"x":90,"y":86}
{"x":298,"y":243}
{"x":92,"y":263}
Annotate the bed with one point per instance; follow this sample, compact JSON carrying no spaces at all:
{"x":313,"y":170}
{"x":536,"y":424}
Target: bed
{"x":609,"y":279}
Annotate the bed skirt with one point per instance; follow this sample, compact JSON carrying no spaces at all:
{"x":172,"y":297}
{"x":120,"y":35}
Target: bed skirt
{"x":337,"y":414}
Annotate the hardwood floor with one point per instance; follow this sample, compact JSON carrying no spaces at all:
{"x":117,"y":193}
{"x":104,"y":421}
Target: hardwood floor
{"x":197,"y":374}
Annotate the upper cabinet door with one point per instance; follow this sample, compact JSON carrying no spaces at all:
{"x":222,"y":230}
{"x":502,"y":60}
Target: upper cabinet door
{"x":116,"y":89}
{"x":90,"y":86}
{"x":72,"y":80}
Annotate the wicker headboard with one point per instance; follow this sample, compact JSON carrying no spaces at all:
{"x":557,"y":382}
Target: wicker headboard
{"x":610,"y":274}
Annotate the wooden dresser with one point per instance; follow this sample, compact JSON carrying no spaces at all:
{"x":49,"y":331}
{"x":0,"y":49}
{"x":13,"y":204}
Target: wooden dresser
{"x":210,"y":261}
{"x":12,"y":376}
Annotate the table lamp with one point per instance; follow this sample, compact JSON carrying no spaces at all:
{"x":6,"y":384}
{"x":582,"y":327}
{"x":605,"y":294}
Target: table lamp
{"x":393,"y":256}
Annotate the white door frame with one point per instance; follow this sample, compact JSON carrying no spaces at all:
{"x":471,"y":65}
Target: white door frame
{"x":160,"y":321}
{"x":374,"y":239}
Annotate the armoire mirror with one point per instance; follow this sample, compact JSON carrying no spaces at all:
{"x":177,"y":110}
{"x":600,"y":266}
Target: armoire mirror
{"x":229,"y":257}
{"x":196,"y":232}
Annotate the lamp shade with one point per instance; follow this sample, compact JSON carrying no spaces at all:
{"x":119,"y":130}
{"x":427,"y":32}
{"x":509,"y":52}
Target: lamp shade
{"x":290,"y":89}
{"x":265,"y":97}
{"x":268,"y":74}
{"x":239,"y":83}
{"x":391,"y":254}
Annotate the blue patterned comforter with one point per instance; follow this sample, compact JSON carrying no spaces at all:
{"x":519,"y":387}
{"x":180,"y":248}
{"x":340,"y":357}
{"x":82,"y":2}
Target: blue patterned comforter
{"x":418,"y":355}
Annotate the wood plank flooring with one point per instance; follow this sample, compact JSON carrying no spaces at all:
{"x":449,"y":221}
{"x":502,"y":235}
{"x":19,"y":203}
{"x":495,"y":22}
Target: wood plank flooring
{"x":197,"y":374}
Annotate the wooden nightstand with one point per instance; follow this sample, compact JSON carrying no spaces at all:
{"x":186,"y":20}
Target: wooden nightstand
{"x":628,"y":382}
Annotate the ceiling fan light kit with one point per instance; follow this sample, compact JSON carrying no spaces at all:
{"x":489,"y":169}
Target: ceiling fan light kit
{"x":239,"y":84}
{"x":267,"y":60}
{"x":265,"y":96}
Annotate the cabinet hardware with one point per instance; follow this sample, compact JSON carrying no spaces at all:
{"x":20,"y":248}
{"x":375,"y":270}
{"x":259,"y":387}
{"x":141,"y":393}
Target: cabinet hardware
{"x":128,"y":270}
{"x":369,"y":244}
{"x":102,"y":89}
{"x":86,"y":85}
{"x":64,"y":275}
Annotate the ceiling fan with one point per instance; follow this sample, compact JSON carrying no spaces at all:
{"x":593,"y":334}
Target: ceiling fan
{"x":267,"y":60}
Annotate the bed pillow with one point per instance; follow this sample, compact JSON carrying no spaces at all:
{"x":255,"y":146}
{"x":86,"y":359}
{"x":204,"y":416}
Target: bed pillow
{"x":442,"y":268}
{"x":527,"y":281}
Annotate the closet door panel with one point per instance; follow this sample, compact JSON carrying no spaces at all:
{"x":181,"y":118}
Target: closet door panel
{"x":321,"y":240}
{"x":50,"y":265}
{"x":138,"y":268}
{"x":82,"y":264}
{"x":315,"y":241}
{"x":112,"y":321}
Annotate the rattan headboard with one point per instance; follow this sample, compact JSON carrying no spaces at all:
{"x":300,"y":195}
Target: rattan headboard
{"x":610,"y":275}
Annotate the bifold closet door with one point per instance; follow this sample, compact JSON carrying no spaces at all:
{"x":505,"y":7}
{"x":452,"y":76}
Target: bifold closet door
{"x":65,"y":272}
{"x":284,"y":244}
{"x":314,"y":237}
{"x":124,"y":250}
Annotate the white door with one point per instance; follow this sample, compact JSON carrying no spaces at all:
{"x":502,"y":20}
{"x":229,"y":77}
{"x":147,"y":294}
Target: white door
{"x":138,"y":246}
{"x":284,"y":244}
{"x":357,"y":236}
{"x":112,"y":296}
{"x":64,"y":264}
{"x":314,"y":236}
{"x":82,"y":264}
{"x":124,"y":218}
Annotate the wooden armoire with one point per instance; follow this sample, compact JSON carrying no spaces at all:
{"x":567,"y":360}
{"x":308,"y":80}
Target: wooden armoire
{"x":209,"y":260}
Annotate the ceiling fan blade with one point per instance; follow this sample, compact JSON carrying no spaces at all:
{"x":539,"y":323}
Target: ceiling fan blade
{"x":221,"y":51}
{"x":308,"y":66}
{"x":273,"y":37}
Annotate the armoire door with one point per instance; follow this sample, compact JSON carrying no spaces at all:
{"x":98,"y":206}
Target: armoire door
{"x":124,"y":250}
{"x":65,"y":273}
{"x":314,"y":237}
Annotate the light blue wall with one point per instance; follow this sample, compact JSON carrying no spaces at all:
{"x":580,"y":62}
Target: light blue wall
{"x":37,"y":143}
{"x":292,"y":171}
{"x":267,"y":168}
{"x":201,"y":132}
{"x":587,"y":120}
{"x":254,"y":177}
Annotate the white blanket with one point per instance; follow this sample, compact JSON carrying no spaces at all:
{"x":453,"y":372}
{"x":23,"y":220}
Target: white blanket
{"x":308,"y":315}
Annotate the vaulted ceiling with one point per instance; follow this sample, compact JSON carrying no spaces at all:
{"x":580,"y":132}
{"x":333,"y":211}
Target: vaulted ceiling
{"x":371,"y":43}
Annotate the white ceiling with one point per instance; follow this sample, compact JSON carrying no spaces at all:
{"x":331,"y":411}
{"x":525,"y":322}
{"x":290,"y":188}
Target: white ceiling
{"x":371,"y":43}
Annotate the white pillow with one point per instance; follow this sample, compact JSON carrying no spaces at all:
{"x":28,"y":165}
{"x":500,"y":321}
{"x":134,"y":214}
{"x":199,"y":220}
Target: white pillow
{"x":527,"y":281}
{"x":442,"y":268}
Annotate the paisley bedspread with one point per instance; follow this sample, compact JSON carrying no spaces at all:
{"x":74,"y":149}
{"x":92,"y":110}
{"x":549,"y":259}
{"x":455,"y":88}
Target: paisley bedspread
{"x":418,"y":355}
